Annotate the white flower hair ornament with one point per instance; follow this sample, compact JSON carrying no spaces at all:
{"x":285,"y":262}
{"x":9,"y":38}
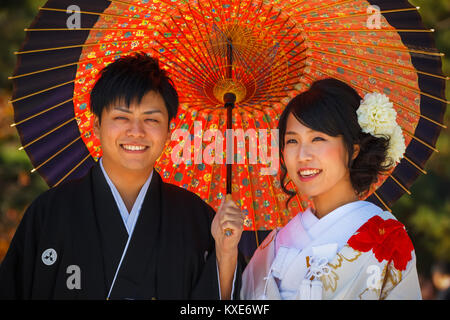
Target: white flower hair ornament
{"x":377,"y":116}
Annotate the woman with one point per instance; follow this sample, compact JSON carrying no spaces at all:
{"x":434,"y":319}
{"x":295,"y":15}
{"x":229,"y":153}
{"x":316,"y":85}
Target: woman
{"x":333,"y":145}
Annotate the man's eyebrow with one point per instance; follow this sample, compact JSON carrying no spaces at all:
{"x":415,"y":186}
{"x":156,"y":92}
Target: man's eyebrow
{"x":153,"y":111}
{"x":128,"y":110}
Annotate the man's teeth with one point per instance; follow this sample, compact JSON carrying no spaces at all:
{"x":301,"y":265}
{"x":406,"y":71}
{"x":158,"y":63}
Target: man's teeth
{"x":309,"y":172}
{"x":133,"y":148}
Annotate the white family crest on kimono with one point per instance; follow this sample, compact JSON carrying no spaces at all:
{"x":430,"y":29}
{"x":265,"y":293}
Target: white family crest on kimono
{"x":357,"y":251}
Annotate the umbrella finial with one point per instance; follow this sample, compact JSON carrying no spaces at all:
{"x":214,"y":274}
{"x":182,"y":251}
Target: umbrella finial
{"x":229,"y":97}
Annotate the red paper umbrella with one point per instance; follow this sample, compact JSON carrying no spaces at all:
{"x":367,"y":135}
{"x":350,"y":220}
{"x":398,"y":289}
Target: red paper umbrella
{"x":258,"y":55}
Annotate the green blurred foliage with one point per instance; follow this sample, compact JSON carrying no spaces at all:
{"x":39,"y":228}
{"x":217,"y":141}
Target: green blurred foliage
{"x":426,"y":213}
{"x":18,"y":187}
{"x":15,"y":15}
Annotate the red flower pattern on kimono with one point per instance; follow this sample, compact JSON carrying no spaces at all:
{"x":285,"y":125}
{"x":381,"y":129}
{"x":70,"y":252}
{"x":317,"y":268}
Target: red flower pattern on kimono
{"x":386,"y":238}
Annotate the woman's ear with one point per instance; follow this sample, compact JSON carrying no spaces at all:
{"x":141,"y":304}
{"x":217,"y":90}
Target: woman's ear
{"x":356,"y":149}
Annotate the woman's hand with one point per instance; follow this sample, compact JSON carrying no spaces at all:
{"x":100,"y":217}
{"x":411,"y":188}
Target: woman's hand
{"x":229,"y":217}
{"x":227,"y":227}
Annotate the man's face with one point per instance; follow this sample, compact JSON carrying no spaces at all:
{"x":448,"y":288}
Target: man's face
{"x":133,"y":138}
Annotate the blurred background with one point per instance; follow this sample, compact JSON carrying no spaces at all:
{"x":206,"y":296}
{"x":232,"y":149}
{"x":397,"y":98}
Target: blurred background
{"x":426,"y":213}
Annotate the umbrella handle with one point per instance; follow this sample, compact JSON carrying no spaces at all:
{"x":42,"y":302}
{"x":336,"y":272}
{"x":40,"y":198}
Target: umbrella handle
{"x":228,"y":232}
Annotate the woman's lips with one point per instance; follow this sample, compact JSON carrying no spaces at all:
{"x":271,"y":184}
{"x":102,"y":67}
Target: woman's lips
{"x":308,"y":174}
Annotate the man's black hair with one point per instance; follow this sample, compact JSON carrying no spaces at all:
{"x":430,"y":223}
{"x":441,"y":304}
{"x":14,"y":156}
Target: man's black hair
{"x":130,"y":78}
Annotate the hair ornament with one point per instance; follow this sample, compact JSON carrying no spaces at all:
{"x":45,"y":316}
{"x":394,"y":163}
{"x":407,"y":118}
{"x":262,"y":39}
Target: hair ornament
{"x":377,"y":116}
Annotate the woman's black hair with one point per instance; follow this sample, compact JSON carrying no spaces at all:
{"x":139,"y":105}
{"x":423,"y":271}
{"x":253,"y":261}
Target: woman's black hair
{"x":130,"y":78}
{"x":329,"y":106}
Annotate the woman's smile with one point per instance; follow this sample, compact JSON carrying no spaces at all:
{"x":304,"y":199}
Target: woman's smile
{"x":308,"y":174}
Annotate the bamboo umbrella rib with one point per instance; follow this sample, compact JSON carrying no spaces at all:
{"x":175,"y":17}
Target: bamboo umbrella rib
{"x":58,"y":85}
{"x":213,"y":165}
{"x":262,"y":67}
{"x":407,"y":132}
{"x":41,"y":91}
{"x":101,"y":14}
{"x":43,"y":111}
{"x":399,"y":67}
{"x":208,"y":38}
{"x":54,"y":155}
{"x":371,"y":30}
{"x":419,"y":140}
{"x":251,"y":194}
{"x":202,"y":78}
{"x":380,"y":46}
{"x":382,"y":202}
{"x":47,"y":133}
{"x":61,"y":48}
{"x":72,"y":170}
{"x":176,"y":70}
{"x":218,"y":12}
{"x":395,"y":103}
{"x":415,"y":165}
{"x":401,"y":185}
{"x":262,"y":75}
{"x":385,"y":80}
{"x":48,"y":69}
{"x":78,"y":63}
{"x":189,"y":130}
{"x":189,"y":52}
{"x":256,"y":13}
{"x":361,"y":14}
{"x":203,"y":42}
{"x":316,"y":8}
{"x":208,"y":61}
{"x":265,"y":19}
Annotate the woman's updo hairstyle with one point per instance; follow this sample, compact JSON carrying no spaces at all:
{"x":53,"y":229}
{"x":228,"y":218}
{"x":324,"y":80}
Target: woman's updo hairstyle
{"x":329,"y":106}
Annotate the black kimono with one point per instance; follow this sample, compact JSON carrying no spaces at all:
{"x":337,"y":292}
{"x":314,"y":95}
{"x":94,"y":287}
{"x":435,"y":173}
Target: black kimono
{"x":70,"y":241}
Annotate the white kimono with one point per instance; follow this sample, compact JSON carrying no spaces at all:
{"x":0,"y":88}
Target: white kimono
{"x":357,"y":251}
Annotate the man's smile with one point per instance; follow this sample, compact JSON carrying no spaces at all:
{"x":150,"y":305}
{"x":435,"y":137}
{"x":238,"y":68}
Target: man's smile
{"x":134,"y":147}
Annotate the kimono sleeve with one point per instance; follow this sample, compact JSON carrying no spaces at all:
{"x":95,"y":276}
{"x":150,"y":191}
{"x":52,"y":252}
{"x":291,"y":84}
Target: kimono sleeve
{"x":407,"y":288}
{"x":17,"y":268}
{"x":207,"y":287}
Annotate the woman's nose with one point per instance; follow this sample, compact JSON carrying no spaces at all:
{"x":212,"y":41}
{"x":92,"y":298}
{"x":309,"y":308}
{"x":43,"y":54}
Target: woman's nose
{"x":304,"y":153}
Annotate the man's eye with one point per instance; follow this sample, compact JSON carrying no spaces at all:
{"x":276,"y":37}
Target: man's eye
{"x":120,"y":118}
{"x":152,"y":120}
{"x":291,"y":141}
{"x":318,"y":139}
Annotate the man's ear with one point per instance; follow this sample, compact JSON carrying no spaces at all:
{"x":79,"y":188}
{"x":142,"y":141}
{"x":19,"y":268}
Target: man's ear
{"x":356,"y":150}
{"x":96,"y":127}
{"x":169,"y":136}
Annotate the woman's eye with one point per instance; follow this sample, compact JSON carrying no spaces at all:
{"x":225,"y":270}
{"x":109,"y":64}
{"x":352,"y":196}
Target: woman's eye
{"x":151,"y":120}
{"x":120,"y":118}
{"x":318,"y":139}
{"x":291,"y":141}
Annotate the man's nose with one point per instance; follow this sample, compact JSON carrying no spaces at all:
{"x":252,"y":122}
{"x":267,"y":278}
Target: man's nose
{"x":136,"y":128}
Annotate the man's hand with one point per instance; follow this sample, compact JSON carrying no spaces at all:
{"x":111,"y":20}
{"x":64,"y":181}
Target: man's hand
{"x":228,"y":217}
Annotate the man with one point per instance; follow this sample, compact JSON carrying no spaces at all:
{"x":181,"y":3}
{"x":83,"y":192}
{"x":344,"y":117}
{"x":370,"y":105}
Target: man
{"x":120,"y":232}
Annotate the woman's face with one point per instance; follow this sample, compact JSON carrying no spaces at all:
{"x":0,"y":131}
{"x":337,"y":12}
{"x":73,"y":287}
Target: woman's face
{"x":315,"y":161}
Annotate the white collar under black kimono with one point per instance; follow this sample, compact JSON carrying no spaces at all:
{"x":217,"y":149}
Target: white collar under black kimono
{"x":129,"y":218}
